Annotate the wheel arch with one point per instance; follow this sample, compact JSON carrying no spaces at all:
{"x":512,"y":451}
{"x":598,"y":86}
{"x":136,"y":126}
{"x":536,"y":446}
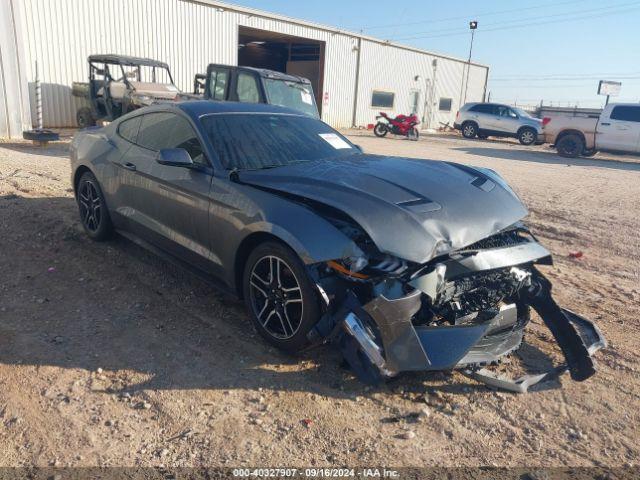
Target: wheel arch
{"x":248,"y":245}
{"x":570,"y":131}
{"x":526,"y":127}
{"x":311,"y":244}
{"x":77,"y":175}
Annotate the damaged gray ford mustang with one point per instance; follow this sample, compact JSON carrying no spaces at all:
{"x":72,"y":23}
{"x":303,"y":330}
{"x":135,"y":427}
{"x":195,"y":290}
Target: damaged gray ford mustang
{"x":404,"y":264}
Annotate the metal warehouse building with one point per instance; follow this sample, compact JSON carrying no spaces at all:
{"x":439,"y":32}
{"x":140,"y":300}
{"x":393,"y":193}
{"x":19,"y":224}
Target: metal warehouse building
{"x":354,"y":76}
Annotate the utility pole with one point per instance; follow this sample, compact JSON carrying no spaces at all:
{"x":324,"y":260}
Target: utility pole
{"x":473,"y":25}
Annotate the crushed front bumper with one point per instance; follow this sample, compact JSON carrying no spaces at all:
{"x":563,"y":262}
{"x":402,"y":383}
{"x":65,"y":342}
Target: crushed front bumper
{"x":396,"y":345}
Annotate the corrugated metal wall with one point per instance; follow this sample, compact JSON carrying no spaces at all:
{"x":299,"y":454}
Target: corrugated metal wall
{"x":60,"y":34}
{"x":14,"y":101}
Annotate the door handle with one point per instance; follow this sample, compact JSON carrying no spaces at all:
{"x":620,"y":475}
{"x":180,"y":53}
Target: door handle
{"x":605,"y":124}
{"x":129,"y":166}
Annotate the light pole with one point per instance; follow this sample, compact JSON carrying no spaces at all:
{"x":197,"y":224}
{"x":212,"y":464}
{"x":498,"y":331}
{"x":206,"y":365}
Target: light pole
{"x":473,"y":25}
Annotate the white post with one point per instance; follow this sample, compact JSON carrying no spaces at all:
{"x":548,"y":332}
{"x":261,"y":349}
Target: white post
{"x":38,"y":102}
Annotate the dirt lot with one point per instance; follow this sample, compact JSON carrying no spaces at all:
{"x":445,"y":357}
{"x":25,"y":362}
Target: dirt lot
{"x":110,"y":356}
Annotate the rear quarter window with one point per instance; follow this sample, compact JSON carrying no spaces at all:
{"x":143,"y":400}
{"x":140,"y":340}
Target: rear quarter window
{"x":482,"y":108}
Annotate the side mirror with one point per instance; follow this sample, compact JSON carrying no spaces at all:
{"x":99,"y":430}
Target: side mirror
{"x":174,"y":157}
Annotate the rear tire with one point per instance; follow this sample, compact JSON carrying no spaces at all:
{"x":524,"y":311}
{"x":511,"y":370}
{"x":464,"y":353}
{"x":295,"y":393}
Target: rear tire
{"x":84,"y":117}
{"x":527,"y":136}
{"x":94,"y":213}
{"x":483,"y":136}
{"x":280,"y":298}
{"x":570,"y":145}
{"x":589,"y":153}
{"x":469,"y":130}
{"x":380,"y":130}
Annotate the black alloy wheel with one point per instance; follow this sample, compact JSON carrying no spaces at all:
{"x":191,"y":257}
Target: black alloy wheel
{"x":93,"y":209}
{"x":281,"y":299}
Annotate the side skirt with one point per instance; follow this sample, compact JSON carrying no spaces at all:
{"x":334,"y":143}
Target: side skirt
{"x":169,"y":258}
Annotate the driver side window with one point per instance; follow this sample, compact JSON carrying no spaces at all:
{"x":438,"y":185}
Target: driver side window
{"x":501,"y":111}
{"x":167,"y":130}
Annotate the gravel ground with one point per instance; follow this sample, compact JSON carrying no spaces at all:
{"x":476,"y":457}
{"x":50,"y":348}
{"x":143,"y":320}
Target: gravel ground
{"x":110,"y":356}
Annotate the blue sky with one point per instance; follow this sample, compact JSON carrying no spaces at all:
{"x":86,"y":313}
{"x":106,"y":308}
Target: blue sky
{"x":548,"y":50}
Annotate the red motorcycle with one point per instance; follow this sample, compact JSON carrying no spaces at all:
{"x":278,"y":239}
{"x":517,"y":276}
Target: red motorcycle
{"x":404,"y":125}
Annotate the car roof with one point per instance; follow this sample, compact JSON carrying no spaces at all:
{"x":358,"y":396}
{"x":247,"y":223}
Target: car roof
{"x":198,"y":108}
{"x":624,"y":104}
{"x":473,"y":104}
{"x":264,"y":72}
{"x":126,"y":60}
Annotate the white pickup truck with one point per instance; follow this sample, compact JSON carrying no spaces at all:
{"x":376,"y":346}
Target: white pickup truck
{"x":617,"y":129}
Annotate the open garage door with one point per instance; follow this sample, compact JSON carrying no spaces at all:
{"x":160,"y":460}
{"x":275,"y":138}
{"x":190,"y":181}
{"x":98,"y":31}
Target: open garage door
{"x":283,"y":53}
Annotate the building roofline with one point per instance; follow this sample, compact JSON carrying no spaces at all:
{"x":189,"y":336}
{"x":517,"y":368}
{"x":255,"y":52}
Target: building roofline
{"x":275,"y":16}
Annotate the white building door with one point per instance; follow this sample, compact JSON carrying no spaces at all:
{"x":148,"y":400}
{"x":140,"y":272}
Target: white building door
{"x":414,"y":101}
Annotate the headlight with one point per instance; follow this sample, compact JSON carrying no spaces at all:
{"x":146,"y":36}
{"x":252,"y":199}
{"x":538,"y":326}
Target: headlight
{"x":142,"y":99}
{"x":356,"y":264}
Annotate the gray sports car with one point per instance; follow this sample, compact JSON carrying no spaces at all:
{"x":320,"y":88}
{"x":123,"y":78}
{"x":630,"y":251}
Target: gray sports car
{"x":404,"y":264}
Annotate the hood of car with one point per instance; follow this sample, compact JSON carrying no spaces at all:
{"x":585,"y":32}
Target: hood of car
{"x":155,"y":90}
{"x":413,"y":209}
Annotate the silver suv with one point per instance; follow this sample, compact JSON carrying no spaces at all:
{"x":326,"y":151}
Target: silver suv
{"x":493,"y":119}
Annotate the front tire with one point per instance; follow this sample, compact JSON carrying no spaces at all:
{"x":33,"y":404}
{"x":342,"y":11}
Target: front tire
{"x":413,"y":134}
{"x":94,"y":214}
{"x":281,"y":299}
{"x":469,"y":130}
{"x":527,"y":136}
{"x":570,"y":145}
{"x":380,"y":130}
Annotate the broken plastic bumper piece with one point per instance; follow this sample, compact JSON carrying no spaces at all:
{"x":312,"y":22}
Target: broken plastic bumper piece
{"x":381,"y":340}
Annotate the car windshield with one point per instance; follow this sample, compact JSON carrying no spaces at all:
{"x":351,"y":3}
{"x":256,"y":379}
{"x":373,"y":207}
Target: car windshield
{"x":147,"y":74}
{"x":295,"y":95}
{"x":255,"y":141}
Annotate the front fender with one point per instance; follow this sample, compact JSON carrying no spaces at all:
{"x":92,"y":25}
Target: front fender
{"x":312,"y":238}
{"x":243,"y":212}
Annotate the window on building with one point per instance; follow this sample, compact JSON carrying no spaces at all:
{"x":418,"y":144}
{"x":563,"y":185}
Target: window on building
{"x":382,"y":99}
{"x":218,"y":83}
{"x":626,"y":113}
{"x":445,"y":104}
{"x":247,"y":88}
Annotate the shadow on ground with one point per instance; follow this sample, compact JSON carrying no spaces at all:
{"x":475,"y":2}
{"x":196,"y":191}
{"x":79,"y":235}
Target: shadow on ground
{"x":77,"y":304}
{"x":52,"y":149}
{"x":522,"y":155}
